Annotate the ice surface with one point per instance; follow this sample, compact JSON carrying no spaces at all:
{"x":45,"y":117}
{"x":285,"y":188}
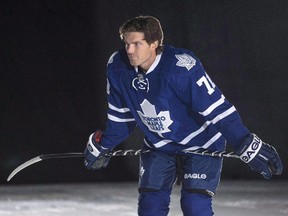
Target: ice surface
{"x":265,"y":198}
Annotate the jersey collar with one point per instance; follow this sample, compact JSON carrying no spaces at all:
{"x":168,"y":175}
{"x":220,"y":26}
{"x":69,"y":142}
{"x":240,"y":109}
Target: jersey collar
{"x":153,"y":66}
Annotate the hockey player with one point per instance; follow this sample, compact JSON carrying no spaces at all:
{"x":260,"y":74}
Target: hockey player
{"x":166,"y":92}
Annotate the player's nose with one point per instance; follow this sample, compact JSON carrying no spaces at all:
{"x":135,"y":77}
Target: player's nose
{"x":129,"y":49}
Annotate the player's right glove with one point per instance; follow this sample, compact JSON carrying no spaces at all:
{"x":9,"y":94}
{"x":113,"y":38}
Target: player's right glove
{"x":260,"y":156}
{"x":95,"y":153}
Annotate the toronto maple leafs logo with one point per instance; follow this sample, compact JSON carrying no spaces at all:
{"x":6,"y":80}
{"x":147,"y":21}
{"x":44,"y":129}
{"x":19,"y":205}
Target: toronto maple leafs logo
{"x":158,"y":123}
{"x":185,"y":60}
{"x":142,"y":171}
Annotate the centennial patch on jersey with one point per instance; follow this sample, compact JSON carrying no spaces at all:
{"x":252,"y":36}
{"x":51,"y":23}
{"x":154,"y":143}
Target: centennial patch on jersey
{"x":158,"y":123}
{"x":140,"y":83}
{"x":185,"y":60}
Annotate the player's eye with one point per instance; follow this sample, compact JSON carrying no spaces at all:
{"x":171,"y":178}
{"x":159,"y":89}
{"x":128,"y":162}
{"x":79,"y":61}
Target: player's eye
{"x":137,"y":44}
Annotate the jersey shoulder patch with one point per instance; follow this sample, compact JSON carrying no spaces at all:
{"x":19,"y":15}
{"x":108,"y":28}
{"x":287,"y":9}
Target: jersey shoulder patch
{"x":185,"y":60}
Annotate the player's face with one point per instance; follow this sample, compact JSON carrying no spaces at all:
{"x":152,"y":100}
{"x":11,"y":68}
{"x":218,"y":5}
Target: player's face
{"x":139,"y":52}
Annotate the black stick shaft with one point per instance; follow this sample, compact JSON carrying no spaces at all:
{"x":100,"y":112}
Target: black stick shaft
{"x":129,"y":152}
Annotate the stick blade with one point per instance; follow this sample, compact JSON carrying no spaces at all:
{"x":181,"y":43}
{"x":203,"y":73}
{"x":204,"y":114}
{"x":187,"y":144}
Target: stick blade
{"x":23,"y":166}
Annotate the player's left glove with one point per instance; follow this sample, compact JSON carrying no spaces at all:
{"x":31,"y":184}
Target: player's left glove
{"x":260,"y":156}
{"x":95,"y":153}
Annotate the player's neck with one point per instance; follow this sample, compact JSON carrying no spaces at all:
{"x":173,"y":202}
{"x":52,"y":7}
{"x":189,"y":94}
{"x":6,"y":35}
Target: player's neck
{"x":142,"y":70}
{"x":146,"y":66}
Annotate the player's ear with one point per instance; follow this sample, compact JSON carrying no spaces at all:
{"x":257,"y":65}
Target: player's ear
{"x":154,"y":45}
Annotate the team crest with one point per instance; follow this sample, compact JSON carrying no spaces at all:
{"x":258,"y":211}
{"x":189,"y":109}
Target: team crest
{"x":185,"y":60}
{"x":158,"y":123}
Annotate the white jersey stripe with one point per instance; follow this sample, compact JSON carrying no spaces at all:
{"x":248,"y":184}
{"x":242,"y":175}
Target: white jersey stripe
{"x":195,"y":133}
{"x":224,"y":115}
{"x":200,"y":130}
{"x":213,"y":106}
{"x":116,"y":119}
{"x":120,"y":110}
{"x":207,"y":144}
{"x":206,"y":124}
{"x":162,"y":143}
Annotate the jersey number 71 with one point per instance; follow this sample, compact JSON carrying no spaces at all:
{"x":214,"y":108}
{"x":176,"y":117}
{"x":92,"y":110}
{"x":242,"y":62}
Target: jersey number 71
{"x":210,"y":86}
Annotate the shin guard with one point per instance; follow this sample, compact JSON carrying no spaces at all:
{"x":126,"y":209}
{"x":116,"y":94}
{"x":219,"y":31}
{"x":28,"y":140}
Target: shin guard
{"x":153,"y":203}
{"x":196,"y":204}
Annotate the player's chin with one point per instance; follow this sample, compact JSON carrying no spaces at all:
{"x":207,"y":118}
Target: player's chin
{"x":133,"y":63}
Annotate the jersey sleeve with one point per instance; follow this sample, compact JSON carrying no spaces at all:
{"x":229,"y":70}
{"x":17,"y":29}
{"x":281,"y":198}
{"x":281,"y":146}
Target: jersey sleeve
{"x":120,"y":122}
{"x":206,"y":99}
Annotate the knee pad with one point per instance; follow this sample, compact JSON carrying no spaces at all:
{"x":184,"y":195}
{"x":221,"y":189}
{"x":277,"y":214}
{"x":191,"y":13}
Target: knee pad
{"x":196,"y":203}
{"x":153,"y":202}
{"x":158,"y":170}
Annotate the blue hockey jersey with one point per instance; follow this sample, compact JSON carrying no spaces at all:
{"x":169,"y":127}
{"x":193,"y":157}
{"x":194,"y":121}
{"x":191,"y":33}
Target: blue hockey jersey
{"x":175,"y":103}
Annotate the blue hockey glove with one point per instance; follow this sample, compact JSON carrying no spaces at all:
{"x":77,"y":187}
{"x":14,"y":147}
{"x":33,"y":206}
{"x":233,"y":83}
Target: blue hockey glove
{"x":260,"y":156}
{"x":95,"y":154}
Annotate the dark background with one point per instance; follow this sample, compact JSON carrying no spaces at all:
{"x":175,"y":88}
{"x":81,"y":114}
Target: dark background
{"x":53,"y":86}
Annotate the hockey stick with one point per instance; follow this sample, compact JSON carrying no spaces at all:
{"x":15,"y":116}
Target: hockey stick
{"x":41,"y":158}
{"x":129,"y":152}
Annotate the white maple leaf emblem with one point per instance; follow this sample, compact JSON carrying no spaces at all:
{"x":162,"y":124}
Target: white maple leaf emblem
{"x":185,"y":60}
{"x":158,"y":123}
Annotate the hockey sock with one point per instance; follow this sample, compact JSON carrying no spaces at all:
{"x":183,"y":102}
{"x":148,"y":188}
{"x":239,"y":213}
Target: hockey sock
{"x":154,"y":203}
{"x":194,"y":204}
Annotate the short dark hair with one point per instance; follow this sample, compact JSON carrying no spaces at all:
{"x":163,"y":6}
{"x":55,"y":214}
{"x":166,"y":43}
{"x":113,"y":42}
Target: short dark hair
{"x":149,"y":25}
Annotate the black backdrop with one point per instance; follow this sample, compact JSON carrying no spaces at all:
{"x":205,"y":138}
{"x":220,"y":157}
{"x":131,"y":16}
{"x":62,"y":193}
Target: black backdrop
{"x":52,"y":86}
